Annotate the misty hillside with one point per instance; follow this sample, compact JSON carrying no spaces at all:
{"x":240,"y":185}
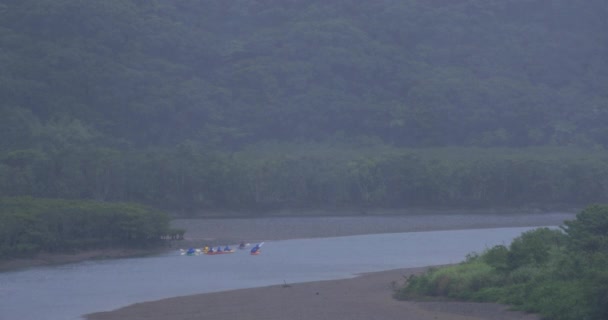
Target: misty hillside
{"x":269,"y":104}
{"x":230,"y":73}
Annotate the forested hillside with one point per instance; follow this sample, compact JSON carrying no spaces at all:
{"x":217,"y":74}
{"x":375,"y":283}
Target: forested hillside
{"x":175,"y":103}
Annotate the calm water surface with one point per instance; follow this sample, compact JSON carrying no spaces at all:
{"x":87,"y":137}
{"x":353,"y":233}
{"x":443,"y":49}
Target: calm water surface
{"x":67,"y":292}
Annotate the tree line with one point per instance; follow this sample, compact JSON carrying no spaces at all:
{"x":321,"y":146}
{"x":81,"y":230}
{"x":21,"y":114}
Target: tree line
{"x":561,"y":274}
{"x":187,"y":179}
{"x":31,"y":225}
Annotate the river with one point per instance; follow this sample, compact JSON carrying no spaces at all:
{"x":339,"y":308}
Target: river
{"x":67,"y":292}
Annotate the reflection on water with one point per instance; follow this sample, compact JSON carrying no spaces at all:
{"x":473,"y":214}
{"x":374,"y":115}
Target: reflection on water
{"x":66,"y":292}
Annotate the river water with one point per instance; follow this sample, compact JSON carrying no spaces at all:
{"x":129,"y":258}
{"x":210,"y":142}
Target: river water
{"x":67,"y":292}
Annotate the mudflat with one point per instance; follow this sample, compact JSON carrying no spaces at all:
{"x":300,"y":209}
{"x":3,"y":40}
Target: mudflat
{"x":367,"y":296}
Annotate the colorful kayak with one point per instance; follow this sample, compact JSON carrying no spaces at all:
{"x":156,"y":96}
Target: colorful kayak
{"x":190,"y":252}
{"x":220,"y":252}
{"x":257,"y":249}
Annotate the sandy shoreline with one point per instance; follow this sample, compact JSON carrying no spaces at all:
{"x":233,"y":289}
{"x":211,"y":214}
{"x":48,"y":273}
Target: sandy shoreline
{"x":229,"y":231}
{"x":368,"y":296}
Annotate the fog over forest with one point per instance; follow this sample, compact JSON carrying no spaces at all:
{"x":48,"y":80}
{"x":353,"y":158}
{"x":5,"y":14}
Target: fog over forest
{"x":270,"y":104}
{"x":131,"y":127}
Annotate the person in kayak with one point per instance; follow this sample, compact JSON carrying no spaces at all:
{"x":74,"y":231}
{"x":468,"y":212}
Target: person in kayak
{"x":255,"y":249}
{"x":210,"y":250}
{"x":242,"y":245}
{"x":219,"y":249}
{"x":227,"y":248}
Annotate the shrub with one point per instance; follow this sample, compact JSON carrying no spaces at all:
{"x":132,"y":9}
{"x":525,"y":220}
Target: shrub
{"x":533,"y":247}
{"x":497,"y":257}
{"x":457,"y":281}
{"x":562,"y":276}
{"x":588,"y":231}
{"x":559,"y":300}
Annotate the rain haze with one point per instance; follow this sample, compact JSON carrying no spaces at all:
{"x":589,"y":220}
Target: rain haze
{"x":287,"y":159}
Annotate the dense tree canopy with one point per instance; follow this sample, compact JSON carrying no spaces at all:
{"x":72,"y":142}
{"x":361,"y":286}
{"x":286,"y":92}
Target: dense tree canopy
{"x":29,"y":225}
{"x":163,"y":102}
{"x":410,"y":73}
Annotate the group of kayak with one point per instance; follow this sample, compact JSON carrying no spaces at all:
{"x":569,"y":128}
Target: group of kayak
{"x":219,"y":250}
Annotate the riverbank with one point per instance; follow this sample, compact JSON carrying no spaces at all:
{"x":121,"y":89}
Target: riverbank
{"x":213,"y":231}
{"x":48,"y":259}
{"x":222,"y":231}
{"x":368,"y":296}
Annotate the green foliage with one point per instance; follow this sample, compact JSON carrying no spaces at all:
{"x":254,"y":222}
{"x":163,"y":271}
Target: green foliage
{"x":162,"y":102}
{"x":228,"y":74}
{"x":589,"y":232}
{"x":189,"y":177}
{"x":560,"y":275}
{"x":533,"y":247}
{"x":497,"y":257}
{"x":31,"y":225}
{"x":457,"y":281}
{"x":560,"y":300}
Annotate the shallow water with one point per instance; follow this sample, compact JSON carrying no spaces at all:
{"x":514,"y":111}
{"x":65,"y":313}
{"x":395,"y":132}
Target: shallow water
{"x":66,"y":292}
